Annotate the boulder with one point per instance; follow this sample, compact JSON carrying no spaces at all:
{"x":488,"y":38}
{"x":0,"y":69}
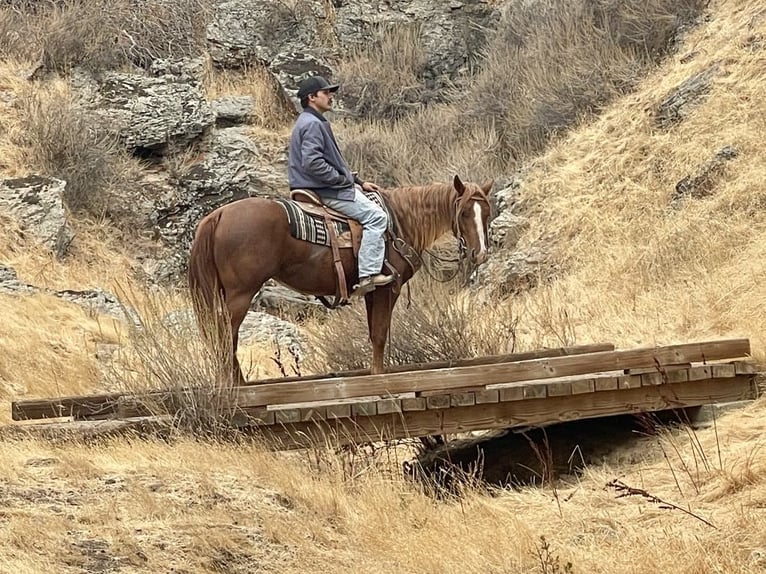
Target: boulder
{"x":37,"y":203}
{"x":150,"y":112}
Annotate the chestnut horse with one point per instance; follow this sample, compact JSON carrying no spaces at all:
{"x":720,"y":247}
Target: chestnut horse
{"x":241,"y":245}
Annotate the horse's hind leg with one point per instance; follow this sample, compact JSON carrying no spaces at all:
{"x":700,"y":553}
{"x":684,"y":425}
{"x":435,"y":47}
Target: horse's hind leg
{"x":237,"y":304}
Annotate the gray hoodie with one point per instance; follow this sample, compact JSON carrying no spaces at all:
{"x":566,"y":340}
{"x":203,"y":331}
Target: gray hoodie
{"x":314,"y":160}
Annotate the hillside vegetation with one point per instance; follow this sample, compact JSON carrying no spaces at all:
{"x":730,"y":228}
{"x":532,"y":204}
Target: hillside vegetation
{"x":567,"y":101}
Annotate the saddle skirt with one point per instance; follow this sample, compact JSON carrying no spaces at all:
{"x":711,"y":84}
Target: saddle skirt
{"x":308,"y":219}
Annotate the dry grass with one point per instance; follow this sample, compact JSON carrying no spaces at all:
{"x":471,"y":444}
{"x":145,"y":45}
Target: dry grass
{"x":636,"y":274}
{"x":102,"y":34}
{"x":383,"y":80}
{"x":442,"y":322}
{"x":214,"y":506}
{"x":272,"y":109}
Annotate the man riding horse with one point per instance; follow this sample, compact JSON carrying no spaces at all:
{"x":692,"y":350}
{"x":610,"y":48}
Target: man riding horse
{"x":316,"y":163}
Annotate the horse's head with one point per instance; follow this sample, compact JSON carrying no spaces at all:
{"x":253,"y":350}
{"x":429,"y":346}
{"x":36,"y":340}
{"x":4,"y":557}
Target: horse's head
{"x":471,"y":219}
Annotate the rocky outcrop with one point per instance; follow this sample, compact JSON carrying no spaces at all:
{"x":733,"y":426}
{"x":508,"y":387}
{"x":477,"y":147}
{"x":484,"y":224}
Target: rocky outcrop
{"x":37,"y":204}
{"x":228,"y":167}
{"x":150,"y":112}
{"x":678,"y":103}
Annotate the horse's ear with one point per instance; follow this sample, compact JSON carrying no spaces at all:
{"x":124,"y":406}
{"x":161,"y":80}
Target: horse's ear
{"x":487,"y":187}
{"x":459,"y":186}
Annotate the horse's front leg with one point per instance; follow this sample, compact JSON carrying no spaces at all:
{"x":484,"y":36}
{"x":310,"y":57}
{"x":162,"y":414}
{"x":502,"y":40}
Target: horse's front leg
{"x":380,"y":305}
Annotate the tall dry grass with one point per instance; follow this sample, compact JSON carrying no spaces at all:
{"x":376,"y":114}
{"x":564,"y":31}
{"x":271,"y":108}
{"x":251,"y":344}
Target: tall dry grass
{"x":102,"y":34}
{"x":549,"y":66}
{"x":638,"y":273}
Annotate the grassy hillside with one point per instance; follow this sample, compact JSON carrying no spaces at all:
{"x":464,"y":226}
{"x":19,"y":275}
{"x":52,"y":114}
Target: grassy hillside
{"x":634,"y":271}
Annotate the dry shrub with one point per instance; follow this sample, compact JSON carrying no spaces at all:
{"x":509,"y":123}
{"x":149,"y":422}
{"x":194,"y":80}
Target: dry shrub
{"x":271,"y":107}
{"x":443,"y":322}
{"x":383,"y":80}
{"x":101,"y":34}
{"x":62,"y":140}
{"x":420,"y":149}
{"x":172,"y":363}
{"x":548,"y":65}
{"x":551,"y":63}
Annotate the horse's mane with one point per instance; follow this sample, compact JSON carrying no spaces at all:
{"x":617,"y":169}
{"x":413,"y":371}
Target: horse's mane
{"x":424,"y":212}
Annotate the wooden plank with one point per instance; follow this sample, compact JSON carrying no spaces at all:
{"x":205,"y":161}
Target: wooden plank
{"x":438,"y":402}
{"x":723,"y":370}
{"x":536,"y":391}
{"x":700,"y":373}
{"x":679,"y":376}
{"x":512,"y":414}
{"x":654,"y":369}
{"x":387,"y":406}
{"x":462,"y":399}
{"x":629,"y":381}
{"x":106,"y":404}
{"x":287,"y":416}
{"x":416,"y":404}
{"x":261,"y":416}
{"x":559,"y":389}
{"x":514,"y":393}
{"x":606,"y":383}
{"x":313,"y":413}
{"x":583,"y":386}
{"x":744,"y":368}
{"x":365,"y":409}
{"x":338,"y":411}
{"x":466,"y":362}
{"x":650,"y":379}
{"x":90,"y":430}
{"x":484,"y":397}
{"x":318,"y":404}
{"x":456,"y":378}
{"x":456,"y":391}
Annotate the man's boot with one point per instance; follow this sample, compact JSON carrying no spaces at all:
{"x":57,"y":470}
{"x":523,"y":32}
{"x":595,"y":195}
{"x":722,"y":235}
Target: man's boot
{"x":370,"y":283}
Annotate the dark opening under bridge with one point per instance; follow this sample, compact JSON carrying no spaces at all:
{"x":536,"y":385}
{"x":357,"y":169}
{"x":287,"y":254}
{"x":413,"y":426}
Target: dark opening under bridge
{"x":530,"y":389}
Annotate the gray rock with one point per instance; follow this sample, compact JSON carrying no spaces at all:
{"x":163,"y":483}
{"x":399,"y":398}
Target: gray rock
{"x":452,"y":33}
{"x":37,"y":203}
{"x":291,"y":67}
{"x":150,"y":112}
{"x":231,"y":110}
{"x":703,"y":182}
{"x":517,"y":271}
{"x":98,"y":302}
{"x":244,"y":32}
{"x":508,"y":226}
{"x":258,"y":328}
{"x":677,"y":105}
{"x":95,"y":301}
{"x":267,"y":329}
{"x":10,"y":284}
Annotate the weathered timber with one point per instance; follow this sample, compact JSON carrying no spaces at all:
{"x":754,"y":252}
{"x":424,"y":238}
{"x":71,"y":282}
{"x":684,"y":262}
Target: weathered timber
{"x":513,"y":414}
{"x":107,"y":404}
{"x":87,"y":430}
{"x":472,"y":362}
{"x":488,"y":375}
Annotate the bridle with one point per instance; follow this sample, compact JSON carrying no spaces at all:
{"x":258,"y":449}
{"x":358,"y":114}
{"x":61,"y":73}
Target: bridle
{"x":458,"y":207}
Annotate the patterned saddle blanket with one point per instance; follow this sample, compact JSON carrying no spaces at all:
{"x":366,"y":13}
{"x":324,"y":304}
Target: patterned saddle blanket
{"x":308,"y":221}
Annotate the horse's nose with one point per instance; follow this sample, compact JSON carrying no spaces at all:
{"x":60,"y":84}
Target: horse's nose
{"x":481,"y":257}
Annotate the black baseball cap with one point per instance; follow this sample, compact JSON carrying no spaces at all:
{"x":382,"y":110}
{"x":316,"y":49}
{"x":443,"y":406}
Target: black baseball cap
{"x":314,"y":84}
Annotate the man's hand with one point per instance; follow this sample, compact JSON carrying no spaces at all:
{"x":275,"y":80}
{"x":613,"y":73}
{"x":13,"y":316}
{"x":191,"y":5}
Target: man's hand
{"x":369,"y":186}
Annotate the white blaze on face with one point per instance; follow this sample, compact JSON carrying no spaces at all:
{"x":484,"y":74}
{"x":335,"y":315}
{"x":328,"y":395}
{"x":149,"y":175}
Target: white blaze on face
{"x":479,"y":229}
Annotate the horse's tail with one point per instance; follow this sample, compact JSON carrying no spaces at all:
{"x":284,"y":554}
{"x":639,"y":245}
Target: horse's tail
{"x":205,"y":285}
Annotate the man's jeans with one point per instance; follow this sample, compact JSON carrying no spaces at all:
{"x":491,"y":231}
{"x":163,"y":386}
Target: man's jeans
{"x":374,"y":223}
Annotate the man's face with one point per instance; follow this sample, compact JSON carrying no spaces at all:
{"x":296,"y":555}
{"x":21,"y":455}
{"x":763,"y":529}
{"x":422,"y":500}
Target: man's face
{"x":322,"y":100}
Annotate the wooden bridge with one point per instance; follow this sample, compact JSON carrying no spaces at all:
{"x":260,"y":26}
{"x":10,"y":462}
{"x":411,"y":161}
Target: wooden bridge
{"x":506,"y":391}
